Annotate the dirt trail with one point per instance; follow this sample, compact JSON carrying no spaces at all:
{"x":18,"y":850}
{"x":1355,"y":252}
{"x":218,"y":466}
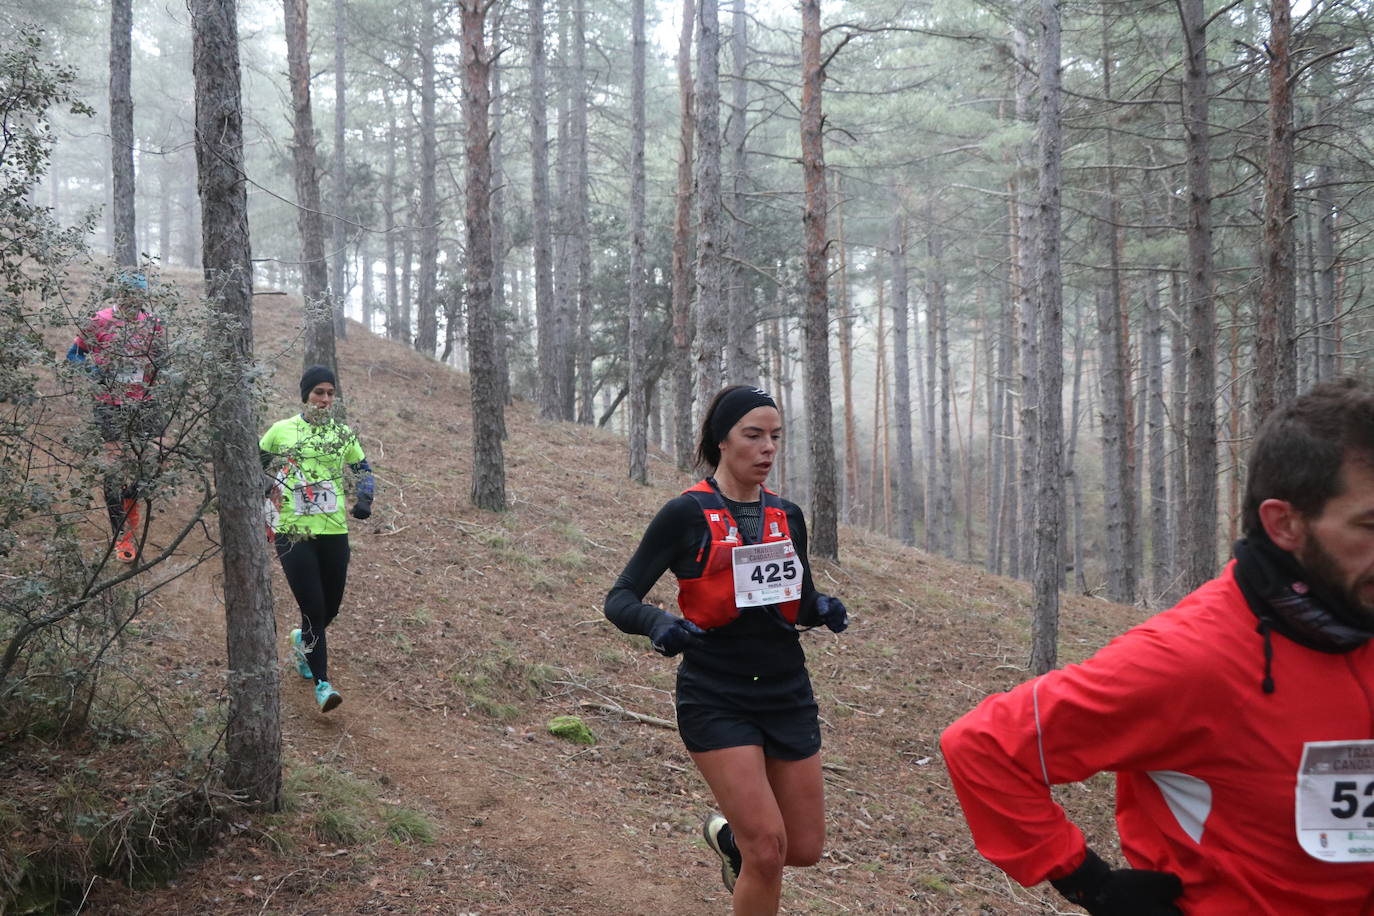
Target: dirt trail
{"x":464,"y":632}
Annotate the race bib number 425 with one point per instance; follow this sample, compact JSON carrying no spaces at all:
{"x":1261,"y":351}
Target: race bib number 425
{"x":766,"y":574}
{"x":1335,"y":801}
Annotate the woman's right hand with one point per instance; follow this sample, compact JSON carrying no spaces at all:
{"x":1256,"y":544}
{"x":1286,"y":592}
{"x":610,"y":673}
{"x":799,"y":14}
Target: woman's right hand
{"x":673,"y":634}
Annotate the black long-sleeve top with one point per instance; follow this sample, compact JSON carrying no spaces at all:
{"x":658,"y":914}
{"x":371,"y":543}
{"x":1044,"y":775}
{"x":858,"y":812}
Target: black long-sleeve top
{"x":757,"y":643}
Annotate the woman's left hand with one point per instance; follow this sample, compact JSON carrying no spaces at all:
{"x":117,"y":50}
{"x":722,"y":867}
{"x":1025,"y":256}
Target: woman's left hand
{"x":831,"y":612}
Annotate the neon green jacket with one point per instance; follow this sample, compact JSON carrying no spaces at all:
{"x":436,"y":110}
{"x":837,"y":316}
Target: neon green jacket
{"x":310,"y":459}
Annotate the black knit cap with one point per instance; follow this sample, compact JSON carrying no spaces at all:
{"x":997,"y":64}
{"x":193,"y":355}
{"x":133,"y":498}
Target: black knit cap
{"x":734,"y":406}
{"x":312,"y":376}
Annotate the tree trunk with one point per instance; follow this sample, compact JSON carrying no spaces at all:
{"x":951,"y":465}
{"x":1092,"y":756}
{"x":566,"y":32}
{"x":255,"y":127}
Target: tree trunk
{"x":1276,"y":367}
{"x":1178,"y":412}
{"x":1326,"y":275}
{"x":940,"y":317}
{"x":546,"y":350}
{"x":1161,"y":556}
{"x":426,"y":299}
{"x":1049,"y":509}
{"x":845,"y":326}
{"x":1024,"y":234}
{"x":998,"y":396}
{"x":1080,"y":575}
{"x":710,"y":262}
{"x":125,"y":247}
{"x":393,"y":304}
{"x":319,"y":320}
{"x":824,"y":531}
{"x":682,"y":276}
{"x":499,"y":242}
{"x":253,"y":734}
{"x":901,"y":379}
{"x":1117,"y":490}
{"x":634,"y":344}
{"x":742,"y":361}
{"x":1199,"y":534}
{"x":580,"y":239}
{"x":339,"y":284}
{"x":488,"y":409}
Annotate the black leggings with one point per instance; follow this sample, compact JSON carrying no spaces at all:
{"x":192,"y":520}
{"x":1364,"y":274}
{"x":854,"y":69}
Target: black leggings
{"x":316,"y":569}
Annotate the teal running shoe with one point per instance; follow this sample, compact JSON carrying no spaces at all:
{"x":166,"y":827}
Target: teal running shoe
{"x":721,"y":839}
{"x":326,"y":696}
{"x":298,"y":651}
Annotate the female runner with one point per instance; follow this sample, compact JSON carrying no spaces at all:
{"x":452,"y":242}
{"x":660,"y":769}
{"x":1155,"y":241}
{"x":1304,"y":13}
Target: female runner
{"x":307,"y":454}
{"x":745,"y":708}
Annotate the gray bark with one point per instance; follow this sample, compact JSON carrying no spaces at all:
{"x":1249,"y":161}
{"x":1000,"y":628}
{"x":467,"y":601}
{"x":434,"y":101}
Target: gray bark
{"x":1276,"y":363}
{"x":1178,"y":412}
{"x":253,"y":734}
{"x":1161,"y":558}
{"x":426,"y":298}
{"x":901,"y":377}
{"x":1049,"y":509}
{"x":634,"y":344}
{"x":339,"y":279}
{"x":319,"y":321}
{"x":741,"y":317}
{"x":488,"y":408}
{"x":546,"y":350}
{"x":125,"y":247}
{"x":1199,"y":534}
{"x":580,"y":238}
{"x":393,"y":303}
{"x":710,"y":271}
{"x":499,"y":241}
{"x":1023,"y":278}
{"x":1326,"y":275}
{"x":682,"y":271}
{"x":1118,"y":494}
{"x":824,"y":531}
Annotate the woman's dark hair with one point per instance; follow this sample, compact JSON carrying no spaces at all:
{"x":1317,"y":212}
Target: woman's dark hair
{"x":1301,"y":446}
{"x":714,"y":429}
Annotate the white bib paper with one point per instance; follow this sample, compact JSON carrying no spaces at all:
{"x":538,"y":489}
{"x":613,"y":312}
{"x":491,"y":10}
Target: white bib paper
{"x":1335,"y":801}
{"x":766,"y":574}
{"x":317,"y":498}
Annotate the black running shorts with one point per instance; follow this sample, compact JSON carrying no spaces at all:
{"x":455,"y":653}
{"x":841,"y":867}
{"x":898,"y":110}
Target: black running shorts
{"x":717,"y":711}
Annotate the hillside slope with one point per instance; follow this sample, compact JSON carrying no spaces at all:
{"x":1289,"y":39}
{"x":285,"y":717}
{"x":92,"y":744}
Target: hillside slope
{"x":464,"y":632}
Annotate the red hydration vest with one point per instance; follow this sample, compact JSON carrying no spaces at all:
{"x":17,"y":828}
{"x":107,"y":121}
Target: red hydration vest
{"x":708,"y":600}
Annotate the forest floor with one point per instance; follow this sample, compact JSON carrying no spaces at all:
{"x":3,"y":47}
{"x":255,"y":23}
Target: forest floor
{"x":436,"y":788}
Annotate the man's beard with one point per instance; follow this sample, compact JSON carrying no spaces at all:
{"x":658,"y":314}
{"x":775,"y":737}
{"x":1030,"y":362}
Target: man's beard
{"x":1324,"y":576}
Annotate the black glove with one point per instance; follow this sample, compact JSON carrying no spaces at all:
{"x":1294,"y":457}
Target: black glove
{"x":831,"y":612}
{"x":1106,"y":891}
{"x":673,"y":634}
{"x":362,"y":508}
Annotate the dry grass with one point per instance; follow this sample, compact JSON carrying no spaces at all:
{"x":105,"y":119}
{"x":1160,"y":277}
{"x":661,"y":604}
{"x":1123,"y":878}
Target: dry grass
{"x":464,"y":632}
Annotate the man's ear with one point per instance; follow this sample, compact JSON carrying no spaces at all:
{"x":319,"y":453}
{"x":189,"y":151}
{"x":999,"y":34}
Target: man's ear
{"x":1284,"y":524}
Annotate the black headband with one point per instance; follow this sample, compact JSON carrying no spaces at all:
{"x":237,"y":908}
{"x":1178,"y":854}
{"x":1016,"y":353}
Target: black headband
{"x":735,"y":405}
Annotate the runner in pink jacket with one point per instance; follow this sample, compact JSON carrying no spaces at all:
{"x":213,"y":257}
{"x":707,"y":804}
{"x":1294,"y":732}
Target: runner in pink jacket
{"x":1240,"y":723}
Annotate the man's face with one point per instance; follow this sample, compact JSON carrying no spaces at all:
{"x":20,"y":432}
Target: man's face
{"x":1338,"y":549}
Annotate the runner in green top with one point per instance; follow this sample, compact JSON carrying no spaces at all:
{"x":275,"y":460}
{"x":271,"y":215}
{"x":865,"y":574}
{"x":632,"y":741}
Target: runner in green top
{"x":308,"y":455}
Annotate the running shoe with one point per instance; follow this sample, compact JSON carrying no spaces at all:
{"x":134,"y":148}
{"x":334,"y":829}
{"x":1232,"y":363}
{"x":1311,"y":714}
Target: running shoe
{"x":126,"y":546}
{"x":723,"y":846}
{"x":326,"y":696}
{"x":298,"y":651}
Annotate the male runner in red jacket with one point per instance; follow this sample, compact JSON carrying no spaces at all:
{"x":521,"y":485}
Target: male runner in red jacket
{"x":1240,"y":723}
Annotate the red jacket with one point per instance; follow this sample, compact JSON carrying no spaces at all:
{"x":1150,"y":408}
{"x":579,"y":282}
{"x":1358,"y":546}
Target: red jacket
{"x":709,"y":599}
{"x":1206,"y":762}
